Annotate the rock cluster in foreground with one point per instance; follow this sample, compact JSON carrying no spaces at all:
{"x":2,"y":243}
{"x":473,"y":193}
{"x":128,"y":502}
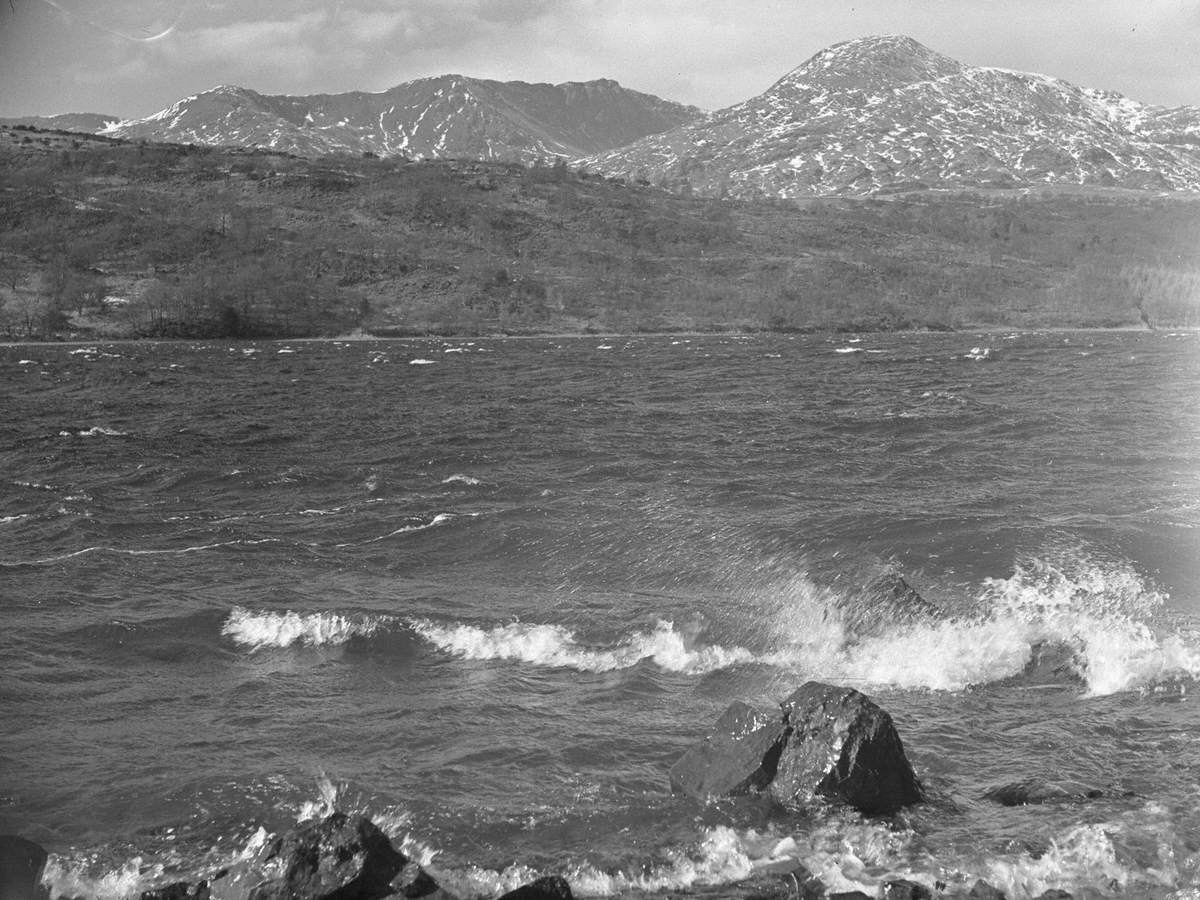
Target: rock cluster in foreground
{"x":826,"y":742}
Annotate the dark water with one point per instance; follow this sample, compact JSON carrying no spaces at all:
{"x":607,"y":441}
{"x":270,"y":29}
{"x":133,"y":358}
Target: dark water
{"x":489,"y":599}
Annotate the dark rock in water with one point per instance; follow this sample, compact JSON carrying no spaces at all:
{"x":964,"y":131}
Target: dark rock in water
{"x":849,"y":895}
{"x":830,"y":741}
{"x":551,"y":887}
{"x":843,"y":747}
{"x":794,"y":882}
{"x":1052,"y":662}
{"x":21,"y":865}
{"x":179,"y":890}
{"x":1055,"y":894}
{"x":984,"y":891}
{"x":1034,"y":791}
{"x":739,"y":756}
{"x":903,"y":889}
{"x":343,"y":858}
{"x":872,"y":598}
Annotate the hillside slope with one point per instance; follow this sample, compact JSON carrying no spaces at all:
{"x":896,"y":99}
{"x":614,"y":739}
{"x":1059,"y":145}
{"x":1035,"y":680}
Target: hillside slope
{"x":100,"y":237}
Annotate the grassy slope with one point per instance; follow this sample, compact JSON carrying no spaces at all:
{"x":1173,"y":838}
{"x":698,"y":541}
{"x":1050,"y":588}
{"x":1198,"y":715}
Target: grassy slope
{"x":202,"y":242}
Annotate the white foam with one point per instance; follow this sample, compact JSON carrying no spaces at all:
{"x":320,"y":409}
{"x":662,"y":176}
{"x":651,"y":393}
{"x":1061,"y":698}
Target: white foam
{"x":1104,"y":608}
{"x":421,"y":362}
{"x":439,"y":519}
{"x":557,"y":647}
{"x":86,"y":878}
{"x":100,"y":430}
{"x":1085,"y":857}
{"x":461,"y":479}
{"x":257,"y":630}
{"x":847,"y":350}
{"x":845,"y":856}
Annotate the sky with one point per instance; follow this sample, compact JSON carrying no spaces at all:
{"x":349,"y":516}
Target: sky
{"x":131,"y":58}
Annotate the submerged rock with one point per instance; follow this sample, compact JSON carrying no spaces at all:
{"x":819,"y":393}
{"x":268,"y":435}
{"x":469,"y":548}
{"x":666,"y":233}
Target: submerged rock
{"x":1034,"y":791}
{"x":981,"y":890}
{"x":343,"y":858}
{"x":828,"y":741}
{"x":179,"y":890}
{"x":1053,"y":662}
{"x":551,"y":887}
{"x":872,"y":598}
{"x":903,"y":889}
{"x":21,"y":865}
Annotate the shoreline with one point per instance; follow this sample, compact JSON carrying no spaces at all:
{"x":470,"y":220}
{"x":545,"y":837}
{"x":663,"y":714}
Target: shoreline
{"x":606,"y":335}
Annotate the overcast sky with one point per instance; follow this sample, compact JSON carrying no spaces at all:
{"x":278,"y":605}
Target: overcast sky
{"x":133,"y":57}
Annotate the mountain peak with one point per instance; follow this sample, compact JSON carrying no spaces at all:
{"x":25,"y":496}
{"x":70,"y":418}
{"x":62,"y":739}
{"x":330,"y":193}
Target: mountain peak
{"x":894,"y":58}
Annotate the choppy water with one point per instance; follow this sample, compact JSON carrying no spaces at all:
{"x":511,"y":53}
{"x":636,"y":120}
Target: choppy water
{"x":487,"y":592}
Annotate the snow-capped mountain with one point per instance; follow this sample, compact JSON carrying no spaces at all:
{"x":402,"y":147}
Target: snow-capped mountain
{"x":447,"y":116}
{"x":882,"y":113}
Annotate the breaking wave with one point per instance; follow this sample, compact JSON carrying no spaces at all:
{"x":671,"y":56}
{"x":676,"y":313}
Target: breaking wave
{"x":556,"y":646}
{"x":1100,"y":620}
{"x":257,"y":630}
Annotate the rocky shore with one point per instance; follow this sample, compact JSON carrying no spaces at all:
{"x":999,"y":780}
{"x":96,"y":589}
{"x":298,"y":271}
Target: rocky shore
{"x":826,"y":743}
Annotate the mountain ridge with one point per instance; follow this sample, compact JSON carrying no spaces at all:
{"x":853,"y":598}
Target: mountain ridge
{"x":885,"y":113}
{"x":878,"y":114}
{"x":429,"y":118}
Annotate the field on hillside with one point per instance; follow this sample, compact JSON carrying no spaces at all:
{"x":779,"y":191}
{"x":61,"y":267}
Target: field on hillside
{"x":100,"y":238}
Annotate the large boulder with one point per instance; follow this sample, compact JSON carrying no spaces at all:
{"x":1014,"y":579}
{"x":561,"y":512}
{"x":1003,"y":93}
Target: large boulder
{"x":21,"y":865}
{"x":343,"y":857}
{"x":827,"y":741}
{"x":739,"y":756}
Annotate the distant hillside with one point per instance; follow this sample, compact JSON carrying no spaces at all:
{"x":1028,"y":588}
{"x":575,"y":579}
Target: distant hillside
{"x":433,"y":118}
{"x":87,"y":123}
{"x":104,"y":238}
{"x":887,"y":113}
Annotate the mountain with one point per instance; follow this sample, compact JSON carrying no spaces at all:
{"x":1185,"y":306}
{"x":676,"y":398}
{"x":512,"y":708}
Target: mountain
{"x":887,"y":113}
{"x":86,"y":123}
{"x":447,"y":116}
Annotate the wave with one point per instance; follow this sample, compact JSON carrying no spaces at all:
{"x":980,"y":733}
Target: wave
{"x":1098,"y":624}
{"x":124,"y":551}
{"x":257,"y":630}
{"x":468,"y":480}
{"x":558,"y":647}
{"x":95,"y":431}
{"x":417,"y":525}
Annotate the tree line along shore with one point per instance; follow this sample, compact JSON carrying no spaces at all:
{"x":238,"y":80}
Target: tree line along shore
{"x":107,"y":239}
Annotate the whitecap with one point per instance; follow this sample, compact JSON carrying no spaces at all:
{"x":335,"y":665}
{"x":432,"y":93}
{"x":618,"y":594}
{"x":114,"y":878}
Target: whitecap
{"x":100,"y":430}
{"x":557,"y":647}
{"x":461,"y":479}
{"x":847,"y":350}
{"x":439,"y":519}
{"x":257,"y":630}
{"x":421,"y":362}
